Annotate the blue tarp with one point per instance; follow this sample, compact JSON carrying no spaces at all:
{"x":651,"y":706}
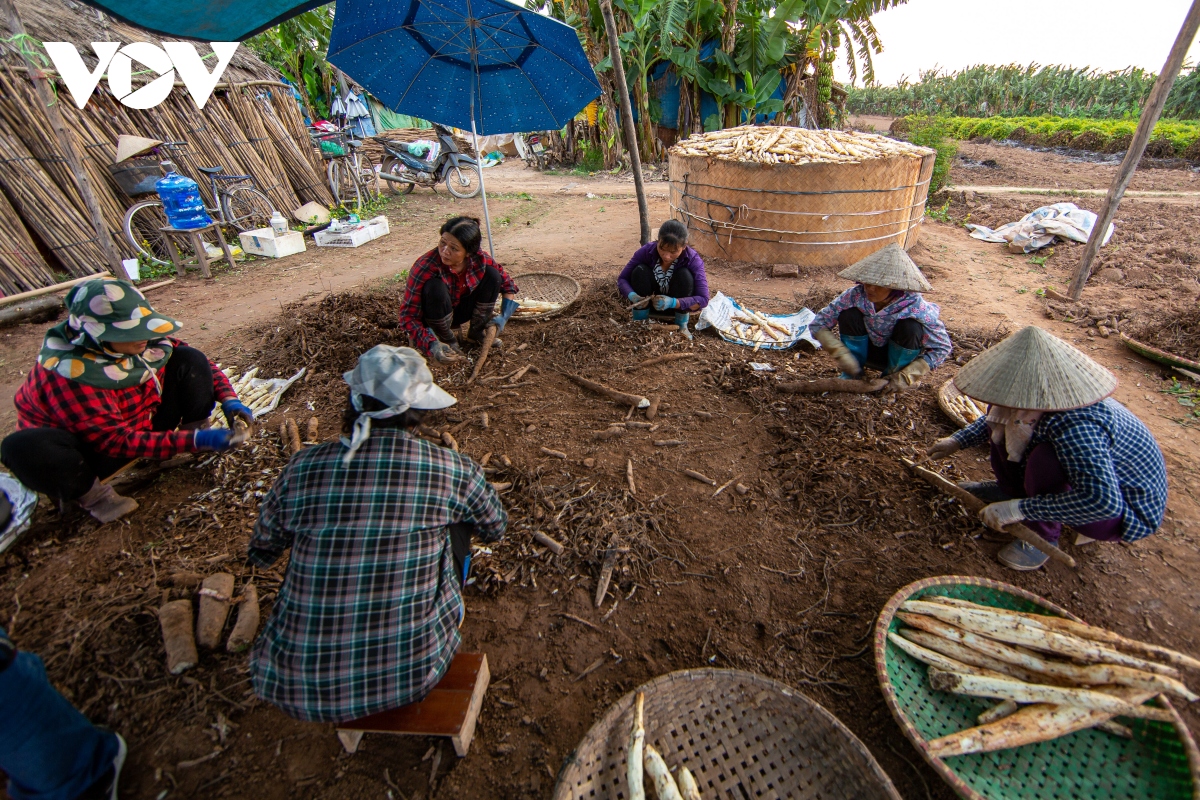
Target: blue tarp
{"x":212,"y":21}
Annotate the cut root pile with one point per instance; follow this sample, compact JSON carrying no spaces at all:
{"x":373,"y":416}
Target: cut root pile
{"x":786,"y":145}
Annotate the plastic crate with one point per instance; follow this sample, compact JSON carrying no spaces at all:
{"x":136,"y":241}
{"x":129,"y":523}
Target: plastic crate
{"x":265,"y":242}
{"x":351,"y":238}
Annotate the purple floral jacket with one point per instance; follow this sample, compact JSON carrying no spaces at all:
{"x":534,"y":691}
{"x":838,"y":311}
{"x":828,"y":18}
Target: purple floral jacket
{"x":880,"y":324}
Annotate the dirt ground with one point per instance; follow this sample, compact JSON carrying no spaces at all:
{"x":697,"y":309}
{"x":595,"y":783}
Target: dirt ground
{"x":785,"y":580}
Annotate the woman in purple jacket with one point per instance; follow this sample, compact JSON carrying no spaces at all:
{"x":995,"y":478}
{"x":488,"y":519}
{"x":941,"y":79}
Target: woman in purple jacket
{"x":666,"y":274}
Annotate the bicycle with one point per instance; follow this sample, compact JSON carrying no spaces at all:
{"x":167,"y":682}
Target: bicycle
{"x":353,"y":177}
{"x":243,"y":206}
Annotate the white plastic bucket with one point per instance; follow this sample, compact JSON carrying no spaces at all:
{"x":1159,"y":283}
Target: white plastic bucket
{"x":132,"y":269}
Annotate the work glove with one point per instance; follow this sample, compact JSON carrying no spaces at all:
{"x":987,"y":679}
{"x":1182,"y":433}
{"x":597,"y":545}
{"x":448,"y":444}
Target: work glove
{"x":664,"y":303}
{"x":218,"y":439}
{"x":233,"y":409}
{"x":944,"y":447}
{"x":997,"y":515}
{"x":507,"y":307}
{"x":909,"y":377}
{"x":634,"y":297}
{"x":834,"y":346}
{"x":444,"y":353}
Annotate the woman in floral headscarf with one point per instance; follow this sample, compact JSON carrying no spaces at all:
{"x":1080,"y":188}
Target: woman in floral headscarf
{"x":112,"y":385}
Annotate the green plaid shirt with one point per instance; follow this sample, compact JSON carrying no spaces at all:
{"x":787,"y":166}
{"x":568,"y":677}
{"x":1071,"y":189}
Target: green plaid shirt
{"x":367,"y":617}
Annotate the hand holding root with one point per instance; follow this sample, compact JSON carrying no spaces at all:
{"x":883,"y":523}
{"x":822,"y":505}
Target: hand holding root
{"x":943,"y":447}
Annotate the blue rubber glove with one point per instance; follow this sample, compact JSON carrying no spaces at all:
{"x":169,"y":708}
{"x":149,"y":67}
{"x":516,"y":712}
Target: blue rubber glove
{"x":634,"y":297}
{"x":213,"y":439}
{"x":662,"y":303}
{"x":507,"y":307}
{"x":236,"y":408}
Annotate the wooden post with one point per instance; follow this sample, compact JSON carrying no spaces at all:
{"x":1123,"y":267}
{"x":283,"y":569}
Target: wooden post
{"x":1150,"y":114}
{"x":49,"y":103}
{"x":631,"y":143}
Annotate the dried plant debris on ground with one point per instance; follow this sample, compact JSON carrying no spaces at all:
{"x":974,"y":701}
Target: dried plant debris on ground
{"x":1175,"y":330}
{"x":777,"y":561}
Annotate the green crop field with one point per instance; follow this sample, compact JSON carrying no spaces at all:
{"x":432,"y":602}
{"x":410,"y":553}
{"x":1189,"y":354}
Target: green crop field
{"x":1027,"y":91}
{"x":1172,"y":138}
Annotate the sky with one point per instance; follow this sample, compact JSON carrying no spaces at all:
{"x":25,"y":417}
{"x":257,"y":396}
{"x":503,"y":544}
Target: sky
{"x":953,"y":34}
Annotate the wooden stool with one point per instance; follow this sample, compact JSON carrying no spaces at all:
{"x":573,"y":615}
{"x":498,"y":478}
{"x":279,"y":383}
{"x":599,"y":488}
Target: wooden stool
{"x":449,"y":710}
{"x":194,"y":236}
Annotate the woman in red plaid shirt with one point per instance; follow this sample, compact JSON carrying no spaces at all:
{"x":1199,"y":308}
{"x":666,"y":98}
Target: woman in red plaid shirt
{"x":112,"y":385}
{"x":455,"y":283}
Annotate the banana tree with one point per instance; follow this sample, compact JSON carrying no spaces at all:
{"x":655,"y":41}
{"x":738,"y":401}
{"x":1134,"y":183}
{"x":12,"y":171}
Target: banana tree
{"x":297,"y":48}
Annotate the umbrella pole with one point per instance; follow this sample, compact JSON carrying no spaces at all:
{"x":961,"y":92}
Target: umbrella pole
{"x":487,"y":219}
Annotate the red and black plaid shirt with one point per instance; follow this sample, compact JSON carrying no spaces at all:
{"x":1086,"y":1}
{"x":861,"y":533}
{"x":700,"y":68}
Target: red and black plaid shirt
{"x":430,"y":265}
{"x":113,"y":422}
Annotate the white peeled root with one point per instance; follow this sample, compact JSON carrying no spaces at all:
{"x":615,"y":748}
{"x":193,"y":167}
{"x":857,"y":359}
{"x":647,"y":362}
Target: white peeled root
{"x":769,"y":144}
{"x":637,"y":743}
{"x":688,"y":787}
{"x":664,"y":784}
{"x":1021,"y":692}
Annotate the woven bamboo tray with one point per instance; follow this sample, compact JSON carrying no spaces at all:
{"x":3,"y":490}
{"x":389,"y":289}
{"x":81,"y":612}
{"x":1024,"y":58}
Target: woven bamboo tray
{"x":947,"y":393}
{"x":1161,"y":761}
{"x":1161,"y":356}
{"x":741,"y":735}
{"x":548,"y":287}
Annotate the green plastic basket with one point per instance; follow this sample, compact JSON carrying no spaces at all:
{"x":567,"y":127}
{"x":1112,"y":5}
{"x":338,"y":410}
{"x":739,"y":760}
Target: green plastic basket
{"x":1160,"y":762}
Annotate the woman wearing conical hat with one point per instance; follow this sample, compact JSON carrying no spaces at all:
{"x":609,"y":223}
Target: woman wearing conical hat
{"x":1062,"y":450}
{"x":883,"y":322}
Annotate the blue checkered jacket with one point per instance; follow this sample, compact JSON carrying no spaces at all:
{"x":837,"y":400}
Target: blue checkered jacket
{"x":367,"y":617}
{"x":1111,"y":460}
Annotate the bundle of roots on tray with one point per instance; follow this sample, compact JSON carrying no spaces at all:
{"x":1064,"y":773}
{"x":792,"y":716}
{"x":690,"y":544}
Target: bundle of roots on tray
{"x":1048,"y":676}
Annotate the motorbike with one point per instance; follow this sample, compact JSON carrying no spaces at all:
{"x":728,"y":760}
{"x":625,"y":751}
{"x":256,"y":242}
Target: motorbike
{"x":404,"y":171}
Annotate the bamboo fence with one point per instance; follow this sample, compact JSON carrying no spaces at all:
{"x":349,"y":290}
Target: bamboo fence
{"x":248,"y":130}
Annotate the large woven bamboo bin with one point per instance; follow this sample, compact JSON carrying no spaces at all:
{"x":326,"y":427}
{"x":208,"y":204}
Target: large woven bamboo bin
{"x":815,"y":214}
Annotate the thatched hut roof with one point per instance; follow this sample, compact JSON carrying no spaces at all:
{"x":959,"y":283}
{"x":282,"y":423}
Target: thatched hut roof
{"x":67,"y":21}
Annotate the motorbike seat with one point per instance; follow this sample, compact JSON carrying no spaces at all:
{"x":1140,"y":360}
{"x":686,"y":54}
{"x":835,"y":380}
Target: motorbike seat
{"x":354,"y":142}
{"x":212,"y":170}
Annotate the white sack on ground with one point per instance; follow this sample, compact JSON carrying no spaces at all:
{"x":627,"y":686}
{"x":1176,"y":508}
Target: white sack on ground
{"x":1038,"y":228}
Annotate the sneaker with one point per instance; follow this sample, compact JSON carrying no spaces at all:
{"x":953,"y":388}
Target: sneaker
{"x":1021,"y":557}
{"x":106,"y":787}
{"x":987,"y":491}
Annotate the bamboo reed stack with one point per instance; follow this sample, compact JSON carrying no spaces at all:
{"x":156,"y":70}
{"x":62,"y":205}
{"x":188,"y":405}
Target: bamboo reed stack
{"x":243,"y":111}
{"x":22,"y":267}
{"x":308,"y":182}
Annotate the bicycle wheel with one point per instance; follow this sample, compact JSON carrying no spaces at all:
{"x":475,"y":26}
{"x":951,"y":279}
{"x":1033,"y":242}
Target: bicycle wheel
{"x":394,"y":166}
{"x":368,"y":177}
{"x":463,"y":183}
{"x":344,"y":184}
{"x":246,"y":208}
{"x":141,"y":227}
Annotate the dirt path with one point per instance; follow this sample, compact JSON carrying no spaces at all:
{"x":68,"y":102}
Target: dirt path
{"x":785,"y":580}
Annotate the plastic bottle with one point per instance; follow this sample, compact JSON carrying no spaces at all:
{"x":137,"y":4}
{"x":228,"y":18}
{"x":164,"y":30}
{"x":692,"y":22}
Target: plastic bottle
{"x":279,"y":223}
{"x":181,"y":200}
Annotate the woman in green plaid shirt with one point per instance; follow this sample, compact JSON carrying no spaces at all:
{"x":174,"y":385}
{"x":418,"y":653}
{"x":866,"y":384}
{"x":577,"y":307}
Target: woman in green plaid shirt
{"x":367,"y":617}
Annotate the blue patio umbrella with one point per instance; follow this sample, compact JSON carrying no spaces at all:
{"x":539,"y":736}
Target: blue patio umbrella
{"x":487,"y":66}
{"x":213,"y":21}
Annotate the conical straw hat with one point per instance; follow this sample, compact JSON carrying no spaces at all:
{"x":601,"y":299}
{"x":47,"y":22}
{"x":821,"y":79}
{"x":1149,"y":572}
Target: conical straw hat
{"x":890,"y":267}
{"x":130,"y":146}
{"x":1037,"y":371}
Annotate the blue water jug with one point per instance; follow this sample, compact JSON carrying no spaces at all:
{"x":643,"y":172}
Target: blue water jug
{"x":181,"y":200}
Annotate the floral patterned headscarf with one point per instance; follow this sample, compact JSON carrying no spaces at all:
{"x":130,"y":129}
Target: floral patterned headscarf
{"x":107,"y":310}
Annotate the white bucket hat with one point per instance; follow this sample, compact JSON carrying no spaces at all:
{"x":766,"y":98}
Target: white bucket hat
{"x":1036,"y":371}
{"x":399,"y":378}
{"x":889,"y":267}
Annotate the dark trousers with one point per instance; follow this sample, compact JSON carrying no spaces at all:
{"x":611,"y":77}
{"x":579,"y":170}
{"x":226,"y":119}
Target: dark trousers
{"x":1042,"y":473}
{"x":460,"y":549}
{"x":908,"y":334}
{"x":682,"y":284}
{"x":58,"y":463}
{"x":436,"y":303}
